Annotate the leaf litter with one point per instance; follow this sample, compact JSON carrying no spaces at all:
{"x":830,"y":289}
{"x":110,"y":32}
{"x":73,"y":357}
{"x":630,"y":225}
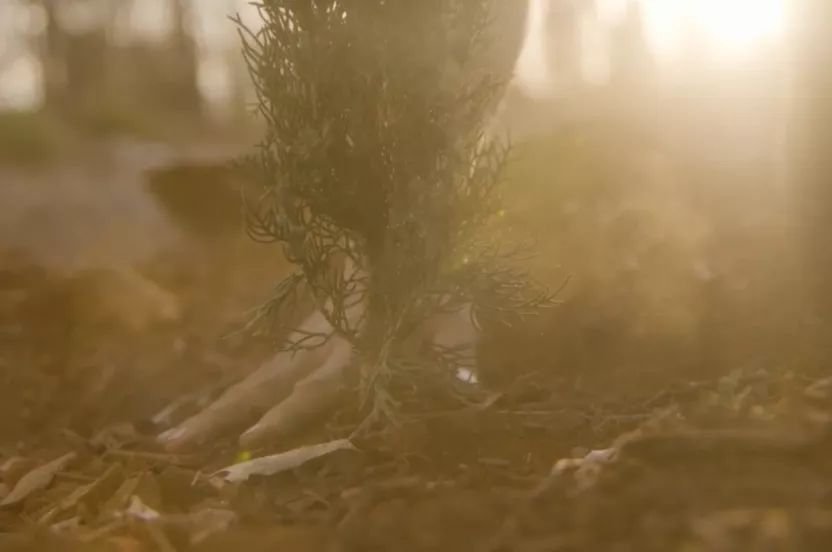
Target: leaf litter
{"x":277,"y":463}
{"x":37,"y":479}
{"x":429,"y":487}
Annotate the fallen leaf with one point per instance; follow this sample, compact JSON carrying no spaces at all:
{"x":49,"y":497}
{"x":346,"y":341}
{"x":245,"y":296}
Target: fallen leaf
{"x":67,"y":526}
{"x":270,"y":465}
{"x":37,"y":479}
{"x":68,"y":502}
{"x":94,"y":492}
{"x":13,"y":469}
{"x":149,"y":491}
{"x":143,"y":486}
{"x":120,"y":498}
{"x":139,"y":510}
{"x":105,"y":486}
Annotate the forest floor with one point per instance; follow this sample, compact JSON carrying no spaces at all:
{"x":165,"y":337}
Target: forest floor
{"x":740,"y":461}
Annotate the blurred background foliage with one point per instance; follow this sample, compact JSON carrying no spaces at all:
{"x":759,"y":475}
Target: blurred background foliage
{"x":92,"y":69}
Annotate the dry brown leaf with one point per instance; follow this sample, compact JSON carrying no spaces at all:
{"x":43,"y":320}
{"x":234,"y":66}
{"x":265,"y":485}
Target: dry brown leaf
{"x":37,"y":479}
{"x":149,"y":491}
{"x":13,"y":468}
{"x":67,"y":526}
{"x":65,"y":504}
{"x":105,"y":486}
{"x":120,"y":498}
{"x":270,"y":465}
{"x":94,"y":492}
{"x":143,"y":486}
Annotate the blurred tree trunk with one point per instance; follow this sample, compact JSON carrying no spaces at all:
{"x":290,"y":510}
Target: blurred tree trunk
{"x":812,"y":125}
{"x":241,"y":88}
{"x":508,"y":30}
{"x":188,"y":99}
{"x":631,"y":58}
{"x":116,"y":25}
{"x":86,"y":56}
{"x":563,"y":40}
{"x":53,"y":60}
{"x":77,"y":62}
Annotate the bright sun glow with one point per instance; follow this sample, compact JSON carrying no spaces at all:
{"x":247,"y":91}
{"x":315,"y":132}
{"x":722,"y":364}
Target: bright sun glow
{"x":730,"y":27}
{"x":728,"y":30}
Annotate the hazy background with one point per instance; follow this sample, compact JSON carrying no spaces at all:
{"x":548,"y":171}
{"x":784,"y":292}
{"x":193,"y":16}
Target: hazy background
{"x":569,"y":44}
{"x":132,"y":22}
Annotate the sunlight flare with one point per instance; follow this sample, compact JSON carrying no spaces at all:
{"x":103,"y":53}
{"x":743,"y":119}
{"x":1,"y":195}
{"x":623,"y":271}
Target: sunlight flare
{"x":728,"y":28}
